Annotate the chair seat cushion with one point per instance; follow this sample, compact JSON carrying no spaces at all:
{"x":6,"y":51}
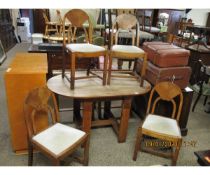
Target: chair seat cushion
{"x":152,"y":29}
{"x":127,"y":49}
{"x":84,"y":47}
{"x":58,"y":138}
{"x":162,"y":125}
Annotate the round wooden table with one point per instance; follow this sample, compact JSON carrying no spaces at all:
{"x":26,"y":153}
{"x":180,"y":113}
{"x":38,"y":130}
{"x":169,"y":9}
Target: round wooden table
{"x":90,"y":90}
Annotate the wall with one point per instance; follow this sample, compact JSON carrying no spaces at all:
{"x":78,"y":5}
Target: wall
{"x":199,"y":16}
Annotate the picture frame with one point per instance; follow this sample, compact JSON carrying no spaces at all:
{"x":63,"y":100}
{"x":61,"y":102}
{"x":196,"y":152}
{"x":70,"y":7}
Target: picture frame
{"x":2,"y":53}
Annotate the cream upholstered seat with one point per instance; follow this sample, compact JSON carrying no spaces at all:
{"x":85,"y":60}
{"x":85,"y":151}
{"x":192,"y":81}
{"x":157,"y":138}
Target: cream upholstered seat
{"x":46,"y":134}
{"x":127,"y":49}
{"x":125,"y":23}
{"x":58,"y":138}
{"x":162,"y":125}
{"x":84,"y":47}
{"x":151,"y":29}
{"x":165,"y":130}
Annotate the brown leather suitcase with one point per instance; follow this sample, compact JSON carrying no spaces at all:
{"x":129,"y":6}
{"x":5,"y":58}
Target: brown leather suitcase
{"x":165,"y":54}
{"x":154,"y":74}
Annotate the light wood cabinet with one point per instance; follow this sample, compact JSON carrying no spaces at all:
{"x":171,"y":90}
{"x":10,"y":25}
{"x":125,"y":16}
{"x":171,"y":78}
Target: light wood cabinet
{"x":26,"y":72}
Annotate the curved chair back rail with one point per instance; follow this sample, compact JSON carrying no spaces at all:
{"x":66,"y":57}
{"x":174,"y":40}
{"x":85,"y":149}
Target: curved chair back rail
{"x":36,"y":103}
{"x":77,"y":18}
{"x":166,"y":91}
{"x":125,"y":22}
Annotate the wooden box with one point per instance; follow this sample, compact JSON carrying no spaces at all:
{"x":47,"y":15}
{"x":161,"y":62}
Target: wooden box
{"x":26,"y":72}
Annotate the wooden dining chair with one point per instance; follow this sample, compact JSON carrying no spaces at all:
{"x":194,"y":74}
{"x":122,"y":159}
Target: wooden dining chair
{"x":86,"y":50}
{"x":126,"y":23}
{"x":202,"y":86}
{"x":46,"y":134}
{"x":163,"y":131}
{"x":148,"y":27}
{"x":61,"y":29}
{"x":50,"y":26}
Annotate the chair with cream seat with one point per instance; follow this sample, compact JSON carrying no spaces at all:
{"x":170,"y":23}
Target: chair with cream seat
{"x":86,"y":50}
{"x":148,"y":22}
{"x":129,"y":23}
{"x":164,"y":131}
{"x":46,"y":134}
{"x":50,"y":26}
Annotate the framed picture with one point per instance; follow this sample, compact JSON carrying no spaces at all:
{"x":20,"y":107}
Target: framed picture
{"x":2,"y":53}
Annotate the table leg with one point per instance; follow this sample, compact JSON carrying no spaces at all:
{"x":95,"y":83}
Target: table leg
{"x":125,"y":114}
{"x":87,"y":116}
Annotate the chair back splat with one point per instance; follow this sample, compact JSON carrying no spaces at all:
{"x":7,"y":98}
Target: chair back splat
{"x":77,"y":21}
{"x":166,"y":91}
{"x":37,"y":108}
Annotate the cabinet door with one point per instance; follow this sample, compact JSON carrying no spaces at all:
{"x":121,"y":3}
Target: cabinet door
{"x":39,"y":23}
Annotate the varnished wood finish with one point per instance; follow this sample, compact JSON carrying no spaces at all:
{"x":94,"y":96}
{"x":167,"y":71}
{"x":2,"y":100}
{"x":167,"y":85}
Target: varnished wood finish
{"x":26,"y":72}
{"x":166,"y":91}
{"x":50,"y":26}
{"x":126,"y":22}
{"x":90,"y":90}
{"x":37,"y":104}
{"x":77,"y":18}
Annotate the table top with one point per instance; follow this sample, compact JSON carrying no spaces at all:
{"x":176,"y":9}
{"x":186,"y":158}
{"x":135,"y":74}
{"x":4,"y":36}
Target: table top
{"x":28,"y":63}
{"x":92,"y":88}
{"x":45,"y":48}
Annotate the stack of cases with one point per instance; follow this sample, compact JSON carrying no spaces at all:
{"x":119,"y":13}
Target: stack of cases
{"x":166,"y":62}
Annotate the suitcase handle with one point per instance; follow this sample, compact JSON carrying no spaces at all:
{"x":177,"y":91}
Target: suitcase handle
{"x":173,"y":78}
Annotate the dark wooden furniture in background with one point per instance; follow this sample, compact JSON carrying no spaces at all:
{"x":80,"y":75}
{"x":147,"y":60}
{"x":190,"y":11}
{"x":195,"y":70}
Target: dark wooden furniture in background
{"x":7,"y":36}
{"x":197,"y":52}
{"x":39,"y":22}
{"x":174,"y":17}
{"x":201,"y":157}
{"x":55,"y":57}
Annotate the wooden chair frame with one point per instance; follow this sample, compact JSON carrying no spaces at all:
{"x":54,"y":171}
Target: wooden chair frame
{"x":49,"y":26}
{"x":77,"y":18}
{"x":126,"y":22}
{"x":36,"y":108}
{"x":203,"y":78}
{"x":166,"y":91}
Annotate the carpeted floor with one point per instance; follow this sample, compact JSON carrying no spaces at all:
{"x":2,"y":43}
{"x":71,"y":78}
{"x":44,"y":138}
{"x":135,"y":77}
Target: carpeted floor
{"x":104,"y":148}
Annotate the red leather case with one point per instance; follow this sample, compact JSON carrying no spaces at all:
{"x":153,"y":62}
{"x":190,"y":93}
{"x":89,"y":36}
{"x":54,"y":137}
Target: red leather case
{"x":165,"y":54}
{"x":155,"y":74}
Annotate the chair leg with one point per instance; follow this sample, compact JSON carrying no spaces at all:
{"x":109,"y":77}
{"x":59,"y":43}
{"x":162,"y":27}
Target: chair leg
{"x":46,"y":30}
{"x":109,"y":69}
{"x":30,"y":154}
{"x":138,"y":143}
{"x":106,"y":57}
{"x":196,"y":101}
{"x":86,"y":152}
{"x":56,"y":162}
{"x":205,"y":100}
{"x":72,"y":71}
{"x":99,"y":110}
{"x":176,"y":153}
